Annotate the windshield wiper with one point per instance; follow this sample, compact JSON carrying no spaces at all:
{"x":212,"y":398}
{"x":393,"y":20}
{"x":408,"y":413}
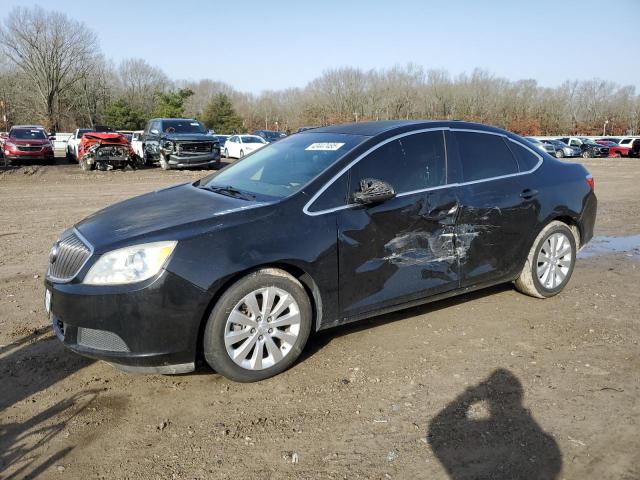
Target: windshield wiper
{"x":230,"y":191}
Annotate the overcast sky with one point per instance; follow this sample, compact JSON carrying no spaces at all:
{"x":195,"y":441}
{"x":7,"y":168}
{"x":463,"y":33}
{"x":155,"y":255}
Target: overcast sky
{"x":255,"y":46}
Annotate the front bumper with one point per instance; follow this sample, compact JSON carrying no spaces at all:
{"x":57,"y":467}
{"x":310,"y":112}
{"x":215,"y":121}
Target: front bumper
{"x":38,"y":157}
{"x":149,"y":327}
{"x":181,"y":161}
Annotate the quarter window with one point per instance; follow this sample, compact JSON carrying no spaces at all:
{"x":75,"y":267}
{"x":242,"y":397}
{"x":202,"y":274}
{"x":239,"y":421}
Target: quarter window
{"x":484,"y":156}
{"x":413,"y":162}
{"x":527,"y":160}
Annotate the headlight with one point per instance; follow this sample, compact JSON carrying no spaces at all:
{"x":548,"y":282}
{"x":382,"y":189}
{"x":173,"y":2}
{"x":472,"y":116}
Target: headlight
{"x":129,"y":264}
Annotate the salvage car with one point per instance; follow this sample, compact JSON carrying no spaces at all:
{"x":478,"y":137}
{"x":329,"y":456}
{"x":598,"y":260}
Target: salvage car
{"x":73,"y":143}
{"x":321,"y":228}
{"x":27,"y":143}
{"x":615,"y":150}
{"x":105,"y":151}
{"x":180,"y":143}
{"x":237,"y":146}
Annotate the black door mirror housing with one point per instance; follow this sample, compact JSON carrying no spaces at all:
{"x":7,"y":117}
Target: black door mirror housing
{"x":373,"y":191}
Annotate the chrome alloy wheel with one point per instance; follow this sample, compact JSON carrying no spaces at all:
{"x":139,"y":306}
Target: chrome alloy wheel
{"x":262,"y":328}
{"x":554,"y":261}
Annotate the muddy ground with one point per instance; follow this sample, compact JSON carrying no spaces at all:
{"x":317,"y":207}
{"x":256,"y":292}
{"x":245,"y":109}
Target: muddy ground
{"x":489,"y":385}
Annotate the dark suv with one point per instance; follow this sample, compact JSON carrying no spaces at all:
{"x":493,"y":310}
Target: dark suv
{"x":179,"y":143}
{"x":27,"y":142}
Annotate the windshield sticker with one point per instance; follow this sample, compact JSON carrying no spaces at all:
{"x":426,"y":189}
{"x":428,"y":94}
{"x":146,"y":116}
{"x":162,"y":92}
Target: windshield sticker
{"x":325,"y":146}
{"x":195,"y":124}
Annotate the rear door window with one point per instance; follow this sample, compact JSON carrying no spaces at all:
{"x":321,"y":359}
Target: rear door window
{"x":484,"y":156}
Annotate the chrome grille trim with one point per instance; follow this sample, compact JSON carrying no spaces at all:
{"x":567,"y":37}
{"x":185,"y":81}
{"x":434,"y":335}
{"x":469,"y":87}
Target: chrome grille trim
{"x":74,"y":252}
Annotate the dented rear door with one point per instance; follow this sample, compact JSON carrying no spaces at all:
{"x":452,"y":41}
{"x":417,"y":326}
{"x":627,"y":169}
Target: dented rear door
{"x":402,"y":249}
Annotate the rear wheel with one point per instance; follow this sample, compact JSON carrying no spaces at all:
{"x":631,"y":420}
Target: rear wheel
{"x":226,"y":153}
{"x":586,"y":154}
{"x":241,"y":153}
{"x":617,"y":155}
{"x":559,"y":153}
{"x":259,"y":326}
{"x":550,"y":262}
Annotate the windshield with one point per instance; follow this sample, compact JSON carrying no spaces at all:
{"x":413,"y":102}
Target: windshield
{"x":249,"y":139}
{"x":27,"y":134}
{"x":284,"y":167}
{"x":183,"y":126}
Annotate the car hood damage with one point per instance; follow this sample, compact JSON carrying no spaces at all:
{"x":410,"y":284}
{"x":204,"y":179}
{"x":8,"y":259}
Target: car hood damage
{"x":105,"y":148}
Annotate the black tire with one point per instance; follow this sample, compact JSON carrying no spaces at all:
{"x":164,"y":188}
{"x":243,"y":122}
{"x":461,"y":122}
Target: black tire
{"x":586,"y":154}
{"x":528,"y":281}
{"x":70,"y":157}
{"x":214,"y":347}
{"x":241,"y":153}
{"x":164,"y":163}
{"x":559,"y":153}
{"x":226,"y":153}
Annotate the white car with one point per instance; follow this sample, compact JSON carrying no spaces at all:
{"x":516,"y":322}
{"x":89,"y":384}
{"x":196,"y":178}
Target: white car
{"x":136,"y":143}
{"x":238,"y":146}
{"x":74,"y":142}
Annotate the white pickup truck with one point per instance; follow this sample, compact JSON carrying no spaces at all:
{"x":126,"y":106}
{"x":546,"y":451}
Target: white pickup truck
{"x":137,"y":143}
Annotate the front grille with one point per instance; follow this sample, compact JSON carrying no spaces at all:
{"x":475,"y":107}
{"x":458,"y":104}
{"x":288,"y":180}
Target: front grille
{"x":194,"y":147}
{"x":22,"y":148}
{"x":101,"y":340}
{"x":72,"y":254}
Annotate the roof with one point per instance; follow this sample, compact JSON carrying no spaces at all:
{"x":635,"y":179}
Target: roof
{"x":371,"y":129}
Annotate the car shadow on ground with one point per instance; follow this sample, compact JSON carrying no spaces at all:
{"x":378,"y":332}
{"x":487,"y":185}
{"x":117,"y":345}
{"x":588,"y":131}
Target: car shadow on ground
{"x":487,"y":433}
{"x":318,"y":340}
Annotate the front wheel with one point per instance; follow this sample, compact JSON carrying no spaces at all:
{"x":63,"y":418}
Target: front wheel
{"x":86,"y":166}
{"x":586,"y":154}
{"x":241,"y":153}
{"x":559,"y":153}
{"x":164,"y":162}
{"x":550,"y":262}
{"x":259,"y":326}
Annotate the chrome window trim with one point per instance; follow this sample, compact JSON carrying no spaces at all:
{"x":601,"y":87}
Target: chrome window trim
{"x":306,"y":207}
{"x":91,"y":250}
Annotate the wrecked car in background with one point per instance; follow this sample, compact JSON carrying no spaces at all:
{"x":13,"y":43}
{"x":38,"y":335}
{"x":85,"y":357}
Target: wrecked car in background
{"x":180,"y":143}
{"x":105,"y":151}
{"x":321,"y":228}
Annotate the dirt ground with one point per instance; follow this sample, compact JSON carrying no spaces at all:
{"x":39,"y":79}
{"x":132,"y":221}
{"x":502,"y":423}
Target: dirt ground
{"x":489,"y":385}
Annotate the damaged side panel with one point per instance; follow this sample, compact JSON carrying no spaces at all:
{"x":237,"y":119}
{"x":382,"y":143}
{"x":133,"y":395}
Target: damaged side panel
{"x":400,"y":250}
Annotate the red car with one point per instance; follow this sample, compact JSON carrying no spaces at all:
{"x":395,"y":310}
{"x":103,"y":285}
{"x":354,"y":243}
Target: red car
{"x":28,"y":142}
{"x":104,"y":151}
{"x":615,"y":150}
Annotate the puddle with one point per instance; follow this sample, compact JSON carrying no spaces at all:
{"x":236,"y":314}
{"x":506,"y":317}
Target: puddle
{"x":607,"y":245}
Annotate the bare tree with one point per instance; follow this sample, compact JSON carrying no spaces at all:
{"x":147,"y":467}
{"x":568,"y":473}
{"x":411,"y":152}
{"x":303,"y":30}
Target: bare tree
{"x":51,"y":49}
{"x":140,"y":82}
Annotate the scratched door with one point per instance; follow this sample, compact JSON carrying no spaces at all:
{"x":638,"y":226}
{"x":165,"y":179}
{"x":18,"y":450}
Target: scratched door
{"x":401,"y":249}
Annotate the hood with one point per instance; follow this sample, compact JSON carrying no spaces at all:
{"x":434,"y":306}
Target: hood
{"x":253,"y":146}
{"x":142,"y":218}
{"x":196,"y":137}
{"x":104,"y":138}
{"x":33,"y":141}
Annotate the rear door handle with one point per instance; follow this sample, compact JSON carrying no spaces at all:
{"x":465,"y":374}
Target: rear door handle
{"x":528,"y":193}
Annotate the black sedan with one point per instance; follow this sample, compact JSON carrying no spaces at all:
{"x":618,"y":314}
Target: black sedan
{"x":318,"y":229}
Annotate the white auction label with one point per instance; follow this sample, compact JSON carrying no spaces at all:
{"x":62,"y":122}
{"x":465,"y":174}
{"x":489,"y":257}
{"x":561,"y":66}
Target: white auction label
{"x":325,"y":146}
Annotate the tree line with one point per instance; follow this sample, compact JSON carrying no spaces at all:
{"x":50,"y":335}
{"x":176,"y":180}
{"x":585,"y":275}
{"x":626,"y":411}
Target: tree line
{"x":52,"y":72}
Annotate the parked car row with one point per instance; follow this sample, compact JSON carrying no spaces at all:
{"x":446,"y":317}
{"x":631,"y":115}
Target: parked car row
{"x":587,"y":147}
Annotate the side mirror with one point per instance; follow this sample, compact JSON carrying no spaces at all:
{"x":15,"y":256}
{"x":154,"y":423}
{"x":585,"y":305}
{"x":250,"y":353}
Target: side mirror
{"x":373,"y":191}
